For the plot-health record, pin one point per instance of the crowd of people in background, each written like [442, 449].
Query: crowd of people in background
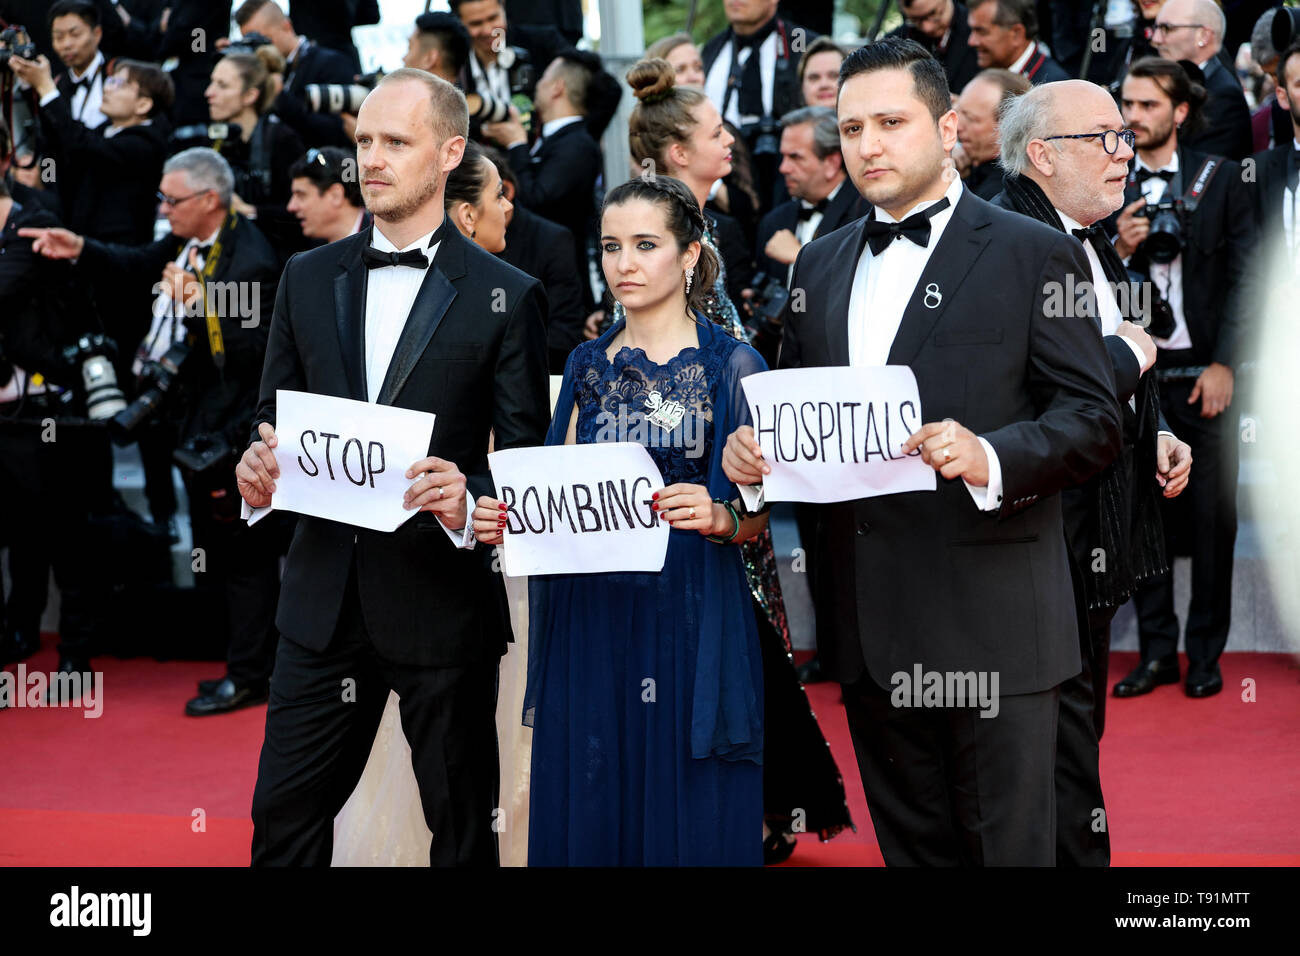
[153, 169]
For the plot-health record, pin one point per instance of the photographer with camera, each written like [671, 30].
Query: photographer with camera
[55, 464]
[505, 58]
[752, 75]
[1188, 223]
[258, 147]
[200, 365]
[306, 64]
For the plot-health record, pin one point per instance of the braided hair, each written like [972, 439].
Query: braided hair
[684, 220]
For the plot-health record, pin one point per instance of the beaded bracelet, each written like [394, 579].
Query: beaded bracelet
[735, 518]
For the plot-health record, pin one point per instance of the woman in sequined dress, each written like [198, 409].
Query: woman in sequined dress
[678, 131]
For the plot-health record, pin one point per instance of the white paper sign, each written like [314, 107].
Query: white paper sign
[346, 460]
[577, 509]
[835, 434]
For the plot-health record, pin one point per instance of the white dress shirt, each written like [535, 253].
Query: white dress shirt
[1168, 277]
[715, 84]
[1290, 226]
[805, 230]
[493, 78]
[390, 294]
[1023, 60]
[549, 128]
[168, 324]
[882, 287]
[87, 99]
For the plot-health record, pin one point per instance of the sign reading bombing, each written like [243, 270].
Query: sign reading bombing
[836, 434]
[577, 509]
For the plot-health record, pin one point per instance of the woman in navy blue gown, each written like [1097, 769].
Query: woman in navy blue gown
[645, 689]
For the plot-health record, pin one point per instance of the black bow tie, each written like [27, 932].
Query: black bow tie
[1144, 174]
[806, 210]
[915, 227]
[1088, 233]
[376, 259]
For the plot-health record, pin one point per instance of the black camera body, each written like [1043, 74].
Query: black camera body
[763, 136]
[1164, 242]
[15, 41]
[157, 380]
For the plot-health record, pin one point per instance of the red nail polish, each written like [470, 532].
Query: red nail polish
[655, 496]
[501, 505]
[654, 506]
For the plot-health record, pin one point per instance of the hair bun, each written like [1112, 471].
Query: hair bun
[652, 80]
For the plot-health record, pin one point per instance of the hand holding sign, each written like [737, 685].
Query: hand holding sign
[952, 451]
[489, 520]
[257, 469]
[440, 488]
[742, 458]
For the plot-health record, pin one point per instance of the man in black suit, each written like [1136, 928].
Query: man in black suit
[543, 250]
[822, 198]
[1112, 522]
[417, 610]
[306, 63]
[1193, 30]
[330, 22]
[107, 177]
[1276, 191]
[751, 72]
[557, 174]
[1004, 34]
[188, 61]
[75, 32]
[1019, 404]
[500, 69]
[215, 280]
[940, 26]
[1204, 284]
[978, 108]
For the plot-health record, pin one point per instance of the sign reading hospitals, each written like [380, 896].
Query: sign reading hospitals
[577, 509]
[836, 434]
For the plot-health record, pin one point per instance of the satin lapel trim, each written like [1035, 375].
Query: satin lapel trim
[350, 318]
[431, 304]
[837, 301]
[949, 264]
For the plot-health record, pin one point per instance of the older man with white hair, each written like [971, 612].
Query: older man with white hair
[1193, 30]
[1066, 156]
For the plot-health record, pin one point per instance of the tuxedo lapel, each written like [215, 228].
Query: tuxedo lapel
[431, 304]
[837, 212]
[841, 287]
[350, 315]
[948, 266]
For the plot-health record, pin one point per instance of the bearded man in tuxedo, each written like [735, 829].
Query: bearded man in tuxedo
[972, 579]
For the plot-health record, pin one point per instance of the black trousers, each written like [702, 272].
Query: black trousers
[324, 710]
[947, 787]
[1201, 521]
[1082, 828]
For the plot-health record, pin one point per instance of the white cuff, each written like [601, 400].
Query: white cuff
[463, 537]
[518, 142]
[49, 97]
[1167, 432]
[752, 495]
[1143, 364]
[988, 498]
[253, 515]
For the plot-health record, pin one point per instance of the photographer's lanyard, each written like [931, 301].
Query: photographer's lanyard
[738, 65]
[216, 343]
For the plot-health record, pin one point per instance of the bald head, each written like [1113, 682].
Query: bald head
[1078, 176]
[1177, 39]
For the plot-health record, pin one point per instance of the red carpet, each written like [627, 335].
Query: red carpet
[1188, 782]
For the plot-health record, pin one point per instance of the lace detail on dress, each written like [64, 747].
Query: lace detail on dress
[667, 408]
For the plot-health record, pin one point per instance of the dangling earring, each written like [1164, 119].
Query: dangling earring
[690, 273]
[473, 233]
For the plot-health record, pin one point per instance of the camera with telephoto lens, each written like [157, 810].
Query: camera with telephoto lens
[14, 41]
[765, 305]
[1168, 220]
[90, 361]
[248, 43]
[765, 137]
[157, 379]
[341, 97]
[199, 453]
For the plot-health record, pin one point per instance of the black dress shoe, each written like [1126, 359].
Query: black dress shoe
[1146, 677]
[61, 689]
[209, 687]
[1203, 680]
[810, 672]
[20, 644]
[227, 697]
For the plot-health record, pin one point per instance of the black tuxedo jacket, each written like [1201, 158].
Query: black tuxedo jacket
[65, 85]
[958, 57]
[212, 400]
[480, 370]
[314, 64]
[1225, 117]
[847, 205]
[787, 95]
[558, 182]
[543, 250]
[1271, 169]
[1216, 259]
[925, 577]
[108, 184]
